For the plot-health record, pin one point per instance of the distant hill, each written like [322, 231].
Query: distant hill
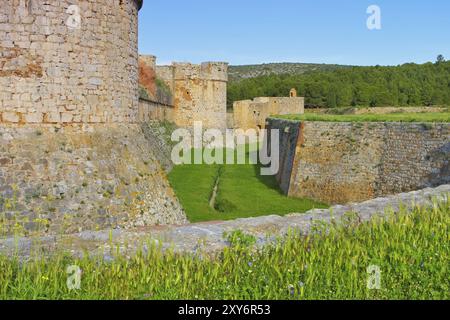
[330, 86]
[237, 73]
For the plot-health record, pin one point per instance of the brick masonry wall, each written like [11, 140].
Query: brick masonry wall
[339, 162]
[53, 73]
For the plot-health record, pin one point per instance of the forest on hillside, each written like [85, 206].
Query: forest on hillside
[405, 85]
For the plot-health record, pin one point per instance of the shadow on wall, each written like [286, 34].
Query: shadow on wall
[268, 181]
[443, 176]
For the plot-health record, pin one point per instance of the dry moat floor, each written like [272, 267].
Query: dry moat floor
[241, 192]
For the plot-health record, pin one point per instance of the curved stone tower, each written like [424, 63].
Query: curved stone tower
[72, 155]
[66, 63]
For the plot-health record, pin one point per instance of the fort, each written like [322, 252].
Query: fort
[76, 155]
[198, 93]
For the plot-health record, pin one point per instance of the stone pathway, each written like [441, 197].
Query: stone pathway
[209, 237]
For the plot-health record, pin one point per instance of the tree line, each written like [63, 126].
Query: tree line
[404, 85]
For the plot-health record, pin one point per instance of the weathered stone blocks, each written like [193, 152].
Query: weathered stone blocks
[252, 114]
[199, 92]
[72, 157]
[338, 162]
[76, 178]
[52, 64]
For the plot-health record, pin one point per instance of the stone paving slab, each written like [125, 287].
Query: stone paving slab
[209, 237]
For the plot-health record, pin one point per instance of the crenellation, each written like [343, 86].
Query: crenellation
[215, 71]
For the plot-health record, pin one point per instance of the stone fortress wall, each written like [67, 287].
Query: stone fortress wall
[63, 64]
[63, 180]
[149, 60]
[252, 114]
[199, 92]
[210, 237]
[155, 111]
[340, 162]
[73, 155]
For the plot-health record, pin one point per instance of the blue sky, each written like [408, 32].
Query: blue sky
[314, 31]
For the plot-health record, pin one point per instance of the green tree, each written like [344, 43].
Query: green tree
[408, 84]
[331, 98]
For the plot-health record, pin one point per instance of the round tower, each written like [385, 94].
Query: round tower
[69, 61]
[73, 156]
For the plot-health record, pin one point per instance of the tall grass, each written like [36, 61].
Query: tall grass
[411, 249]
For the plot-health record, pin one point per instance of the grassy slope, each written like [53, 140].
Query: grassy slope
[242, 192]
[411, 250]
[393, 117]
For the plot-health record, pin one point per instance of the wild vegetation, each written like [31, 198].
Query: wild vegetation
[405, 85]
[411, 251]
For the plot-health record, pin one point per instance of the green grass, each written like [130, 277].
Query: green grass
[242, 192]
[193, 186]
[412, 251]
[393, 117]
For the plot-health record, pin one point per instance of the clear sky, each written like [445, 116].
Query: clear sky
[314, 31]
